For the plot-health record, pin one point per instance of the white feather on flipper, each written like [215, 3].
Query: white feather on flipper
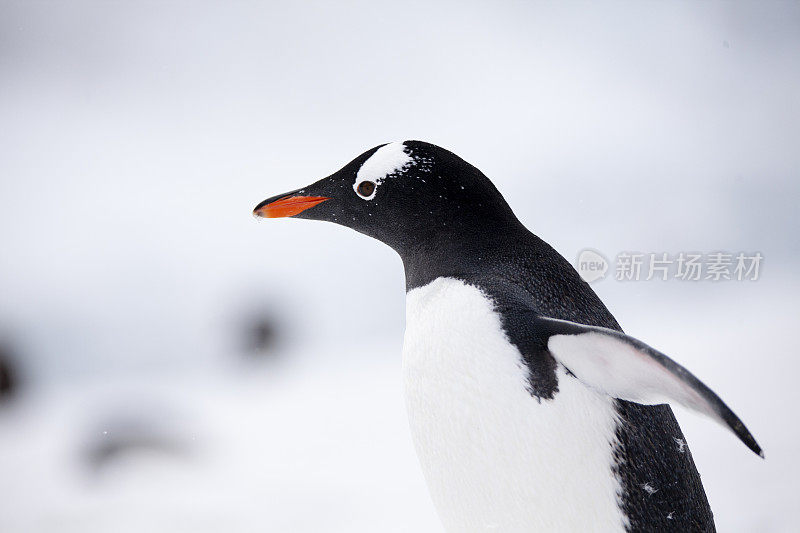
[628, 369]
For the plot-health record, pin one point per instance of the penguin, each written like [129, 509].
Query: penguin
[529, 408]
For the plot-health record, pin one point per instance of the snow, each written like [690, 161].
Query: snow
[319, 439]
[305, 447]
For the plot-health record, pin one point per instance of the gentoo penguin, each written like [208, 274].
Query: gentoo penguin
[530, 409]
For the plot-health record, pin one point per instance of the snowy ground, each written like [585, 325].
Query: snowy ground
[319, 444]
[318, 441]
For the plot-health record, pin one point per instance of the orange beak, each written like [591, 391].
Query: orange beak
[286, 206]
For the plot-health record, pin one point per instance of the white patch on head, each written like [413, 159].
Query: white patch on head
[494, 456]
[388, 160]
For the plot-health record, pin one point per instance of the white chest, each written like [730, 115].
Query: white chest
[494, 457]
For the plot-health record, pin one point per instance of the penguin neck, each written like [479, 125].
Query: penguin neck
[464, 252]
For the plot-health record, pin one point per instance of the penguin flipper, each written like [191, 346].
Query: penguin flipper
[628, 369]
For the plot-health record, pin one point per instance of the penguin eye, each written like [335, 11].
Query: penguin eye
[365, 188]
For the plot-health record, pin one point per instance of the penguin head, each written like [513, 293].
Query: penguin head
[400, 193]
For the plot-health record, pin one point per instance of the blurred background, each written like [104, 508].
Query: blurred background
[168, 363]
